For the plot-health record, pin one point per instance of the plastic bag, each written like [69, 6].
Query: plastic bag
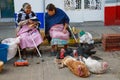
[86, 38]
[12, 43]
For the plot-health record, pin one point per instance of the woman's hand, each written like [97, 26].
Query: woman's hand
[30, 21]
[64, 31]
[21, 23]
[65, 28]
[32, 24]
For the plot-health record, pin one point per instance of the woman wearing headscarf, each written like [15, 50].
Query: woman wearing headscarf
[56, 25]
[27, 28]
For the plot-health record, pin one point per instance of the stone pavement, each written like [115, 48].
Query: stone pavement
[95, 28]
[49, 70]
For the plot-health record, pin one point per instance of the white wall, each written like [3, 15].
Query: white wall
[94, 15]
[57, 3]
[37, 5]
[75, 16]
[82, 14]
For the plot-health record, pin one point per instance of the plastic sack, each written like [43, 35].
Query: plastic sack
[86, 38]
[12, 43]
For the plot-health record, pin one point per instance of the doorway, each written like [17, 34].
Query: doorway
[7, 8]
[117, 19]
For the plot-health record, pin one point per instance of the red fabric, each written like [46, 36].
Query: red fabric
[112, 15]
[61, 55]
[76, 54]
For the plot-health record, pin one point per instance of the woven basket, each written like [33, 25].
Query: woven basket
[1, 65]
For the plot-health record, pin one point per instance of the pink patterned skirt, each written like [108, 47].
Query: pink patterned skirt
[27, 34]
[58, 37]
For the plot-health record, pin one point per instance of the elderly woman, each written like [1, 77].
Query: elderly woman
[27, 28]
[56, 24]
[25, 14]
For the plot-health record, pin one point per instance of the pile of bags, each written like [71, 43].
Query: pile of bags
[85, 37]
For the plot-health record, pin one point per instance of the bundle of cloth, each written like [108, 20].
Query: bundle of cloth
[86, 44]
[86, 37]
[86, 50]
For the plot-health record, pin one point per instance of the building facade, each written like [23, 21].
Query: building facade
[107, 11]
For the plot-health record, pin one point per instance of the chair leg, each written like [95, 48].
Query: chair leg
[24, 54]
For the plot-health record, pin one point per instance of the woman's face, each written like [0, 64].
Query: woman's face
[51, 13]
[27, 9]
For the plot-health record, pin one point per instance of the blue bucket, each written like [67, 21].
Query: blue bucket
[3, 52]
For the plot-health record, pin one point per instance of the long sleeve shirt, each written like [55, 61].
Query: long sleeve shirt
[60, 17]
